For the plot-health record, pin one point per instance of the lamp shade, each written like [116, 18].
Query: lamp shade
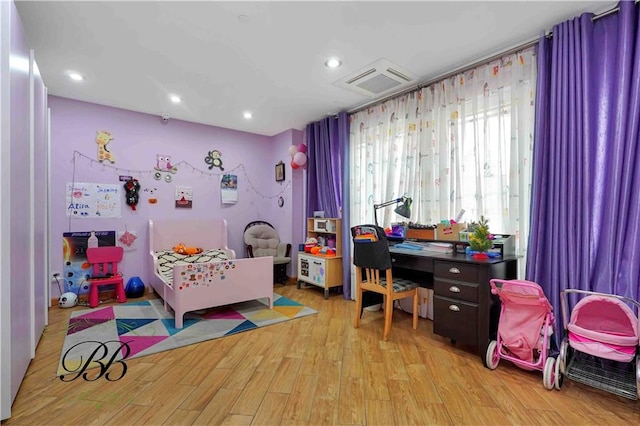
[404, 209]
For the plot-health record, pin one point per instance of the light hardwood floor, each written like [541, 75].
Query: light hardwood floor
[310, 371]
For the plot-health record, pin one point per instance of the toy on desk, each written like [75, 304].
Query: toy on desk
[397, 232]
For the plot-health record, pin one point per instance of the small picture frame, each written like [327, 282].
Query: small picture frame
[280, 172]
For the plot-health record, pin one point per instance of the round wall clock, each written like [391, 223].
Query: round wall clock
[280, 201]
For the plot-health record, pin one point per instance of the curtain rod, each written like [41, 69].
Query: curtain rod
[475, 64]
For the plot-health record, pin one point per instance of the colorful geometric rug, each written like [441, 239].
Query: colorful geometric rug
[101, 336]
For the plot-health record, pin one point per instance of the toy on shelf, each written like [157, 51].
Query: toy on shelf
[309, 244]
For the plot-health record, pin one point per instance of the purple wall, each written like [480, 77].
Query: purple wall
[137, 138]
[299, 215]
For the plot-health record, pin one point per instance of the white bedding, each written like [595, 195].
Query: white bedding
[168, 258]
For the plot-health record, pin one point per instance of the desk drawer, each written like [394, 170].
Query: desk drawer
[456, 290]
[455, 319]
[455, 271]
[416, 263]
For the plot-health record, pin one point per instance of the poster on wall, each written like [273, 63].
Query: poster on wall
[93, 200]
[184, 197]
[76, 270]
[229, 189]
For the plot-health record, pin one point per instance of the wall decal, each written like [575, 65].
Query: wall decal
[214, 159]
[163, 164]
[102, 139]
[151, 192]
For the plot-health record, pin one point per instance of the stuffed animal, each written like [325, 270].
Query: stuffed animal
[182, 249]
[328, 251]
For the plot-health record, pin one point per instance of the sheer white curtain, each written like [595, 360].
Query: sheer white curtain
[461, 143]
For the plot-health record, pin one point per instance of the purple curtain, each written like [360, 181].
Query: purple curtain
[327, 178]
[585, 218]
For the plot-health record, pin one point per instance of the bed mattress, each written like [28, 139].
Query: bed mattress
[168, 258]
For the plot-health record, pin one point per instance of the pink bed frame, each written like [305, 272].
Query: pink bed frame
[205, 285]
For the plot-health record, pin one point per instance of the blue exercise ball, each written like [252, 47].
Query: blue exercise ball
[134, 288]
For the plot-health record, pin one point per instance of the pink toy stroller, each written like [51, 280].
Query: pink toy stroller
[524, 329]
[600, 347]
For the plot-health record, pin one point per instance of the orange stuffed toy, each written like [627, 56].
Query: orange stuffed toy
[182, 249]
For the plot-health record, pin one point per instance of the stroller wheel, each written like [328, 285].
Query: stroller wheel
[493, 355]
[558, 377]
[638, 375]
[564, 353]
[548, 378]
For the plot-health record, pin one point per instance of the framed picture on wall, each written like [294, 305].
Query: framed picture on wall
[280, 172]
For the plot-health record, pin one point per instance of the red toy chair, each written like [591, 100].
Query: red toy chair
[104, 261]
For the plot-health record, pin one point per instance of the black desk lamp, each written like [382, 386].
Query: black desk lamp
[403, 209]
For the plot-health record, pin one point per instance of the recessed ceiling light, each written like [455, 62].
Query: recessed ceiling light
[243, 18]
[75, 76]
[333, 63]
[247, 114]
[175, 99]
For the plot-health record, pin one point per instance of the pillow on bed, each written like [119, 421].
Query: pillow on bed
[167, 258]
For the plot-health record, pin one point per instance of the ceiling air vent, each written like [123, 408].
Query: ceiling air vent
[376, 79]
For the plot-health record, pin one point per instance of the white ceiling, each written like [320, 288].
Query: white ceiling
[134, 54]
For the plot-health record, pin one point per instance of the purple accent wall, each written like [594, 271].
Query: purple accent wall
[137, 138]
[289, 214]
[299, 217]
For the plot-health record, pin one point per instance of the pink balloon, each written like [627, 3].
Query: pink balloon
[302, 148]
[300, 158]
[292, 150]
[294, 165]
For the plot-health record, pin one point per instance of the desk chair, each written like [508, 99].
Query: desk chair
[104, 263]
[373, 273]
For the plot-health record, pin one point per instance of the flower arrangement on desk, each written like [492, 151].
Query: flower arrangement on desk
[481, 240]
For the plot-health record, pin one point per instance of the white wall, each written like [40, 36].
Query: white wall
[23, 303]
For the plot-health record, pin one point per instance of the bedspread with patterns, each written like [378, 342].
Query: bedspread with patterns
[168, 258]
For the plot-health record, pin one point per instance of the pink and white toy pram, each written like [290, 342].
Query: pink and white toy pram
[524, 329]
[601, 343]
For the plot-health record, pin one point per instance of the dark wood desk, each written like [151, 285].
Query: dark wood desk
[463, 307]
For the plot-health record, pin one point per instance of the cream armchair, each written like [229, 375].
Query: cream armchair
[261, 239]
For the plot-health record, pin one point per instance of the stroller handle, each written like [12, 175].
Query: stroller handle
[564, 296]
